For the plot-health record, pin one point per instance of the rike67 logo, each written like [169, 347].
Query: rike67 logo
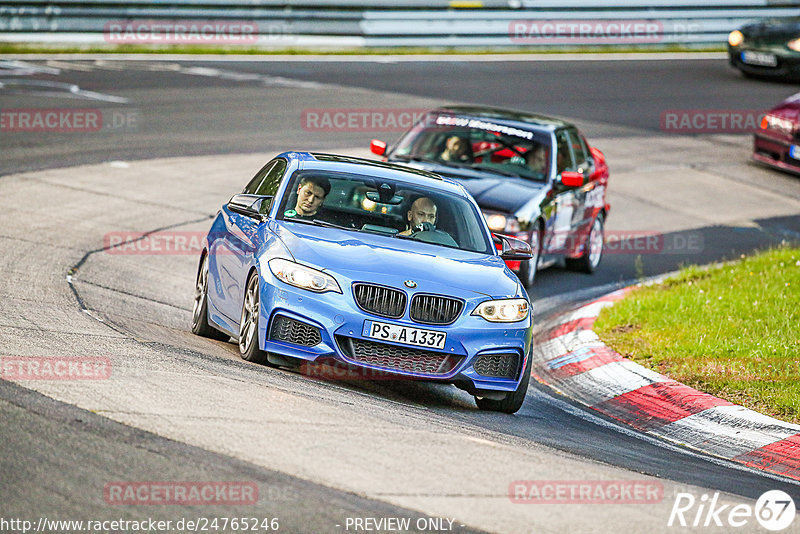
[774, 511]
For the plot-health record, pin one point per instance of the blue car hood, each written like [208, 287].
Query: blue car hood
[390, 261]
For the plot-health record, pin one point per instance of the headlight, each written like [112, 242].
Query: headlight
[771, 122]
[303, 277]
[794, 44]
[500, 223]
[735, 38]
[503, 311]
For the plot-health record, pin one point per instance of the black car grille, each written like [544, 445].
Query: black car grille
[435, 309]
[497, 365]
[405, 359]
[380, 300]
[292, 331]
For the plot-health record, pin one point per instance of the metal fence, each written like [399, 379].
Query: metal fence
[386, 23]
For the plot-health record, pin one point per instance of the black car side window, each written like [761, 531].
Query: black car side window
[578, 148]
[564, 161]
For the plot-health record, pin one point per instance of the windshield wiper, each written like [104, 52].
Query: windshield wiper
[406, 157]
[320, 222]
[495, 170]
[331, 225]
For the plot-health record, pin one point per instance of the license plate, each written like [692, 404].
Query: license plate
[759, 58]
[403, 334]
[794, 152]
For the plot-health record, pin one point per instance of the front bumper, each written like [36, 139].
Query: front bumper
[788, 64]
[332, 326]
[775, 151]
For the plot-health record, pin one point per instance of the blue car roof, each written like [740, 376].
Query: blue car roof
[368, 167]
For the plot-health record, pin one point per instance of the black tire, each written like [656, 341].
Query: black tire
[248, 324]
[528, 269]
[200, 324]
[512, 401]
[591, 257]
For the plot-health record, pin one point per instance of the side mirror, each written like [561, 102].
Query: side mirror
[253, 206]
[512, 248]
[571, 179]
[378, 147]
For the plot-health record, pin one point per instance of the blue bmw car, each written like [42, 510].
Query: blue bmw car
[370, 264]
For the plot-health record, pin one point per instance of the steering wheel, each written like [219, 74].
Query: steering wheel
[427, 233]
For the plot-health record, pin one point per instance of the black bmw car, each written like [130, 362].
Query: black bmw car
[535, 178]
[769, 48]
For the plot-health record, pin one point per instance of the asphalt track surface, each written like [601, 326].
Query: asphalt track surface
[322, 451]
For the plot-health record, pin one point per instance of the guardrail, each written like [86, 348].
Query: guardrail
[386, 23]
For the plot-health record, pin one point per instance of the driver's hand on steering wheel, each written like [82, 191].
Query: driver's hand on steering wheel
[423, 227]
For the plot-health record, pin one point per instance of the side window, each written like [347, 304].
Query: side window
[578, 148]
[269, 186]
[267, 180]
[564, 161]
[252, 186]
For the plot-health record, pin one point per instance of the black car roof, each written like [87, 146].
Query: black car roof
[520, 119]
[777, 26]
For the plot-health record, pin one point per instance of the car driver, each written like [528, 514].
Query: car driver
[311, 192]
[423, 210]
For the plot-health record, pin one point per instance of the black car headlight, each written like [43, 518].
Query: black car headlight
[794, 44]
[497, 222]
[735, 38]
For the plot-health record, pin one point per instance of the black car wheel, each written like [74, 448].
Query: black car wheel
[528, 269]
[591, 257]
[248, 325]
[200, 324]
[512, 401]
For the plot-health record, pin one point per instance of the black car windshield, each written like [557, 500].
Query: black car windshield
[479, 144]
[394, 209]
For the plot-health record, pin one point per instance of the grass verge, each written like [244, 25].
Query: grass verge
[732, 331]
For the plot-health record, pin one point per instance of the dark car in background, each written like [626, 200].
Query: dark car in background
[535, 178]
[769, 48]
[777, 141]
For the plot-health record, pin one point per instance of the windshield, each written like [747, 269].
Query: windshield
[479, 144]
[386, 207]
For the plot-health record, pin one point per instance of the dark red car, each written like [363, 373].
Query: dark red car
[777, 141]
